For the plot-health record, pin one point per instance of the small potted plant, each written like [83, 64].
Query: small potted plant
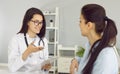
[80, 51]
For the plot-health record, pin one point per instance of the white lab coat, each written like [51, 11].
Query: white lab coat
[17, 47]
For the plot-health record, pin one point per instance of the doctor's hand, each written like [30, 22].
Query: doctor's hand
[31, 48]
[46, 67]
[73, 66]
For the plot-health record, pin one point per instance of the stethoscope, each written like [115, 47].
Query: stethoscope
[38, 44]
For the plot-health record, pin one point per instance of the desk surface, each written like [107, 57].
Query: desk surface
[4, 70]
[8, 72]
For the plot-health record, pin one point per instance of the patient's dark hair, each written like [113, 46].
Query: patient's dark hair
[103, 26]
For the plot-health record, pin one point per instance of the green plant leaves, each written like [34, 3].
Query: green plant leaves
[80, 52]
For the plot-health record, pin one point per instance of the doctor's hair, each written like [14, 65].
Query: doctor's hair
[28, 16]
[103, 26]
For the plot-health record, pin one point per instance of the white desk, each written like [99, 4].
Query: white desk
[4, 70]
[8, 72]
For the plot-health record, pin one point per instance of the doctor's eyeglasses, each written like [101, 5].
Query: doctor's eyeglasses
[36, 22]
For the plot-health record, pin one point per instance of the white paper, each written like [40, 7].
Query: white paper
[37, 67]
[50, 60]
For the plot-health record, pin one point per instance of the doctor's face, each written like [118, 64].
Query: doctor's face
[35, 24]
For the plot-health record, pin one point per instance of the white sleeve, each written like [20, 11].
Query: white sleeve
[46, 48]
[106, 63]
[15, 61]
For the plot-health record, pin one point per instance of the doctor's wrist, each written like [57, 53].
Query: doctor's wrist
[25, 54]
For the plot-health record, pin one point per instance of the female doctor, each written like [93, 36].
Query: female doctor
[29, 48]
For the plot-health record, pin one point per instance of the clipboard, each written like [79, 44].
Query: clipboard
[37, 67]
[50, 60]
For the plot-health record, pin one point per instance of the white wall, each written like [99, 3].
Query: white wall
[12, 12]
[69, 18]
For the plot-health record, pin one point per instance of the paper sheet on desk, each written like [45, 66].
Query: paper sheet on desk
[37, 67]
[50, 60]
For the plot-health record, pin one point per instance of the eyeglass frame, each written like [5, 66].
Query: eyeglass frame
[36, 22]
